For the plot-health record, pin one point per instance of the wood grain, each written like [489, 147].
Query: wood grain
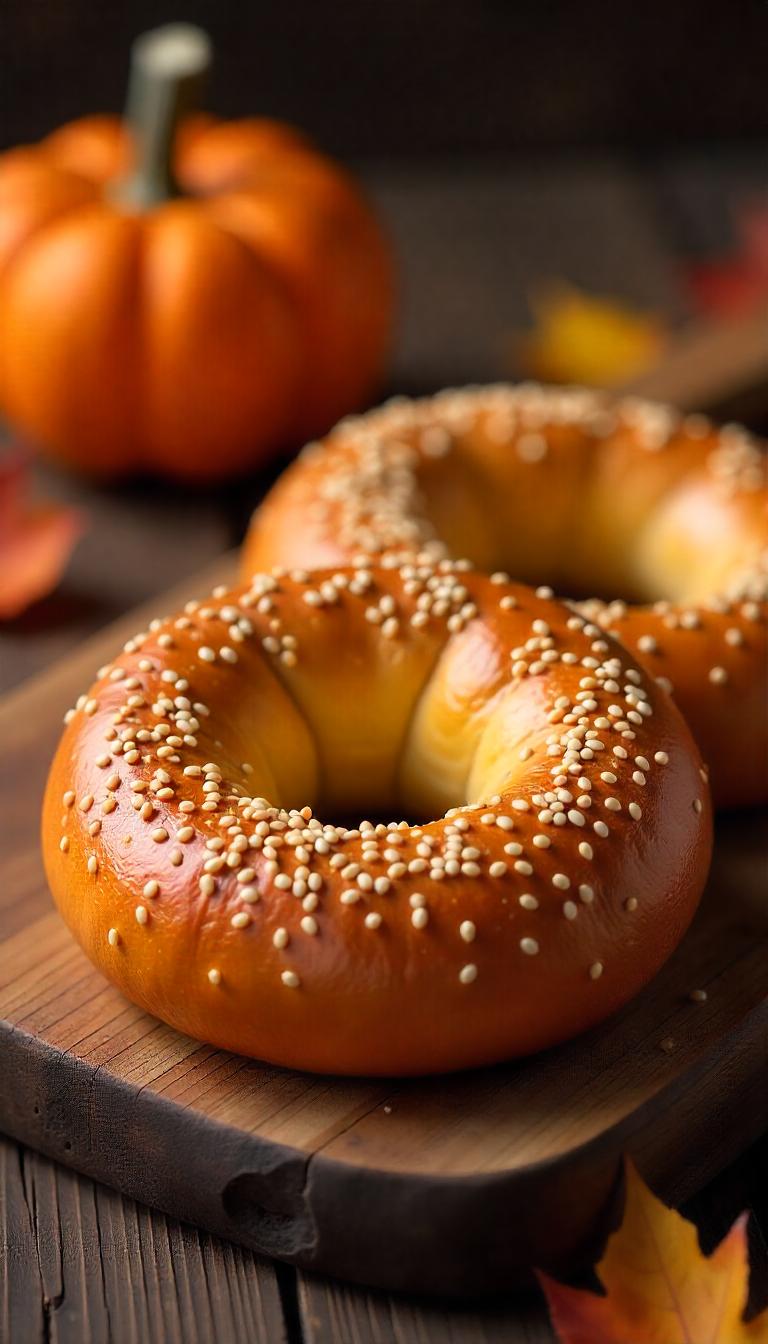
[85, 1265]
[336, 1312]
[358, 1176]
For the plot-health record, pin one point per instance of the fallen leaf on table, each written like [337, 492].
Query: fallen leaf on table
[735, 285]
[36, 541]
[578, 338]
[660, 1288]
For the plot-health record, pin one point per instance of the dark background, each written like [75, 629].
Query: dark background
[408, 77]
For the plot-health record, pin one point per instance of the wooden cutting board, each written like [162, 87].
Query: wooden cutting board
[451, 1185]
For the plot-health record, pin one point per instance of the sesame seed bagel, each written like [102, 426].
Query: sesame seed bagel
[571, 842]
[561, 486]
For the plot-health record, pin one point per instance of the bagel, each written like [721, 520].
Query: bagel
[561, 486]
[571, 842]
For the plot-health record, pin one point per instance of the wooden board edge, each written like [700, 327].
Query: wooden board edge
[367, 1224]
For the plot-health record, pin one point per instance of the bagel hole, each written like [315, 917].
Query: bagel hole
[351, 821]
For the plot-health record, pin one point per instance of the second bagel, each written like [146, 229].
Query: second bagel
[561, 486]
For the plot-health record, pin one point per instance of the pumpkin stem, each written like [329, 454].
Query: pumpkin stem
[168, 67]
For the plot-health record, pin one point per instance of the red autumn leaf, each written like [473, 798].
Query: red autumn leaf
[736, 284]
[726, 289]
[35, 542]
[659, 1287]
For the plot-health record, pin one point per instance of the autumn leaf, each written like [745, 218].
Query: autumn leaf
[35, 542]
[578, 338]
[659, 1287]
[735, 285]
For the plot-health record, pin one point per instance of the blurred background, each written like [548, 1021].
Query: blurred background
[567, 188]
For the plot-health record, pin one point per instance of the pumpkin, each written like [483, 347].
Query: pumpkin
[191, 334]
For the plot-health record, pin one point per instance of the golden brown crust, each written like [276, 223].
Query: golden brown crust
[181, 847]
[559, 486]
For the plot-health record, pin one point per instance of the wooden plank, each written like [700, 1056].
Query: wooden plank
[335, 1312]
[81, 1265]
[22, 1301]
[332, 1312]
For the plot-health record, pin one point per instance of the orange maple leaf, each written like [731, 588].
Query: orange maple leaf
[660, 1288]
[35, 542]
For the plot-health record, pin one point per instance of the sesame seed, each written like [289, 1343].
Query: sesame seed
[468, 973]
[528, 902]
[718, 676]
[113, 938]
[64, 844]
[560, 881]
[698, 996]
[420, 917]
[467, 930]
[159, 835]
[142, 914]
[214, 976]
[280, 938]
[596, 970]
[240, 920]
[207, 654]
[529, 946]
[151, 889]
[290, 979]
[93, 864]
[372, 920]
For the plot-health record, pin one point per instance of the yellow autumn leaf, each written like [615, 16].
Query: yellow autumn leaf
[578, 338]
[659, 1287]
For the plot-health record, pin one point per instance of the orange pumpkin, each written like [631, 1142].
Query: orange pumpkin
[194, 336]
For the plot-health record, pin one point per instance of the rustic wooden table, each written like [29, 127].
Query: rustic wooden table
[80, 1263]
